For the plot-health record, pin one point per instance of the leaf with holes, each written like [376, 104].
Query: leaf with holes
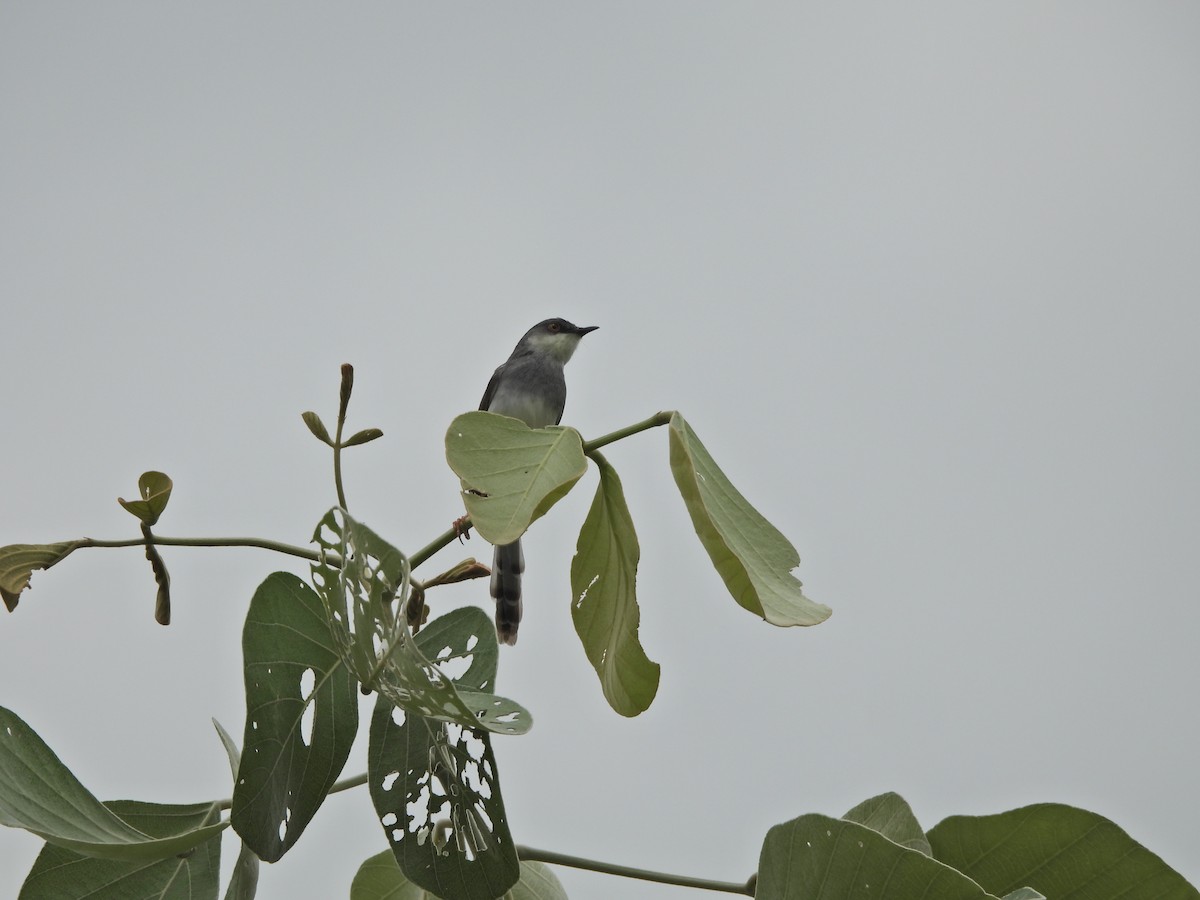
[379, 878]
[65, 875]
[511, 474]
[435, 784]
[1058, 850]
[891, 816]
[41, 795]
[752, 557]
[18, 561]
[817, 854]
[605, 611]
[365, 602]
[301, 716]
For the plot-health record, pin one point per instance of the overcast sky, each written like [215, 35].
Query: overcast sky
[924, 277]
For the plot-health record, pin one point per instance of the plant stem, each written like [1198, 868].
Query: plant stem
[344, 785]
[659, 418]
[562, 859]
[438, 543]
[261, 543]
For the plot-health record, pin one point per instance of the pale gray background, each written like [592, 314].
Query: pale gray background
[923, 276]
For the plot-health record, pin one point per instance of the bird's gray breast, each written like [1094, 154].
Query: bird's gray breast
[531, 390]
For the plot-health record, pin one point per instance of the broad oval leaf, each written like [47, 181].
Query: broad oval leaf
[605, 608]
[752, 557]
[18, 561]
[301, 716]
[154, 490]
[62, 874]
[435, 785]
[891, 816]
[1057, 850]
[41, 795]
[816, 855]
[379, 878]
[511, 474]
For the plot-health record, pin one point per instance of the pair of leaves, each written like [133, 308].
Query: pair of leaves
[305, 653]
[878, 849]
[116, 849]
[512, 474]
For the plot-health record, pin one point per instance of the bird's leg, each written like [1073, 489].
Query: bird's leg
[462, 528]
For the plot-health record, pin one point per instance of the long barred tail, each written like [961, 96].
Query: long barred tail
[508, 562]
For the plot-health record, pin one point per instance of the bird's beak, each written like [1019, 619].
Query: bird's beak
[585, 329]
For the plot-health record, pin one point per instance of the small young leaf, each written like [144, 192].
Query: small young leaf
[1058, 850]
[65, 875]
[301, 716]
[362, 437]
[891, 816]
[511, 474]
[154, 488]
[17, 562]
[41, 795]
[317, 427]
[749, 553]
[605, 608]
[835, 858]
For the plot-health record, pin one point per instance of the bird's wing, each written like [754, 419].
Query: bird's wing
[490, 393]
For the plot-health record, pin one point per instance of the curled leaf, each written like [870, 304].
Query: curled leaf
[17, 562]
[154, 488]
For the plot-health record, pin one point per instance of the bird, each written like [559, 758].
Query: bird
[529, 386]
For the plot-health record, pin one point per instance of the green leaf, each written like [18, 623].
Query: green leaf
[1024, 894]
[605, 611]
[435, 784]
[892, 817]
[1059, 851]
[317, 427]
[243, 884]
[362, 437]
[61, 874]
[817, 855]
[301, 716]
[511, 474]
[379, 878]
[17, 562]
[751, 555]
[365, 608]
[154, 488]
[41, 795]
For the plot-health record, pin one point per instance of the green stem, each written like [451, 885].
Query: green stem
[344, 785]
[443, 539]
[660, 418]
[262, 544]
[562, 859]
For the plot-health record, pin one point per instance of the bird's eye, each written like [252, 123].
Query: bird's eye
[553, 327]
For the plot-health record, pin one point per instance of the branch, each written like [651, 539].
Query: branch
[531, 854]
[659, 418]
